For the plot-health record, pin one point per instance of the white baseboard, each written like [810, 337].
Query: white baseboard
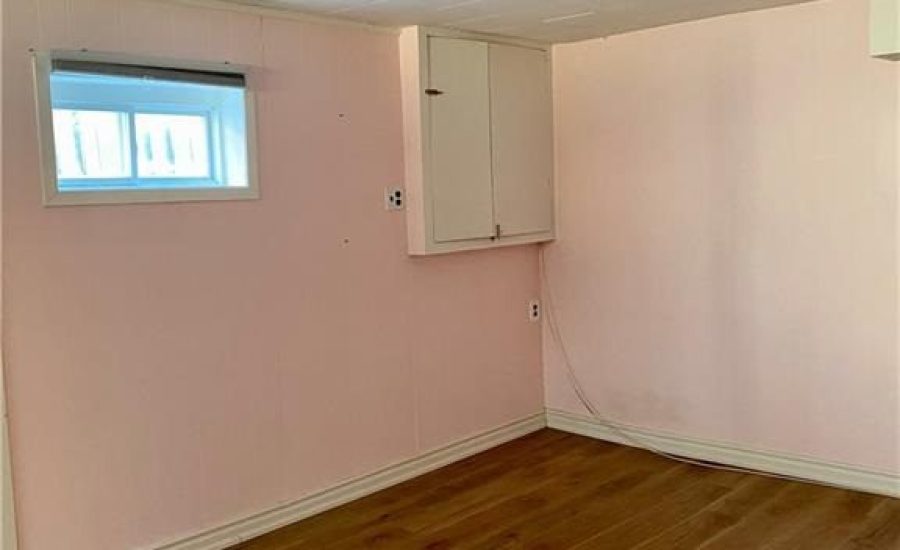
[841, 475]
[240, 530]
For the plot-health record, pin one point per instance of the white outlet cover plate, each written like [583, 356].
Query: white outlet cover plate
[394, 198]
[534, 310]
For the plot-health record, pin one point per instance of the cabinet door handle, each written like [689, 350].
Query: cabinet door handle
[432, 91]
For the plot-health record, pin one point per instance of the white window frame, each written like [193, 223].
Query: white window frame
[43, 62]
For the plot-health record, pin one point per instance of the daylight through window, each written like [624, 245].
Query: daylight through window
[124, 127]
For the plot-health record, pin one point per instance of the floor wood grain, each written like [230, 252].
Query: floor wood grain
[552, 490]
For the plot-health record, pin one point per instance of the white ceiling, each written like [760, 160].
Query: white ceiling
[545, 20]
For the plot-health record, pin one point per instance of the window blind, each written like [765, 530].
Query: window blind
[234, 80]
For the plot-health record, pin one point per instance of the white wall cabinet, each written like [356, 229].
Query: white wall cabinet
[479, 142]
[885, 29]
[460, 140]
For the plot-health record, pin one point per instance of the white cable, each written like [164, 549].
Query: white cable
[572, 375]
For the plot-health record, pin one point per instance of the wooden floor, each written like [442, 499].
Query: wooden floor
[554, 490]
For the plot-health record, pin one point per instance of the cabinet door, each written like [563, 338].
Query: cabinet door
[460, 140]
[522, 129]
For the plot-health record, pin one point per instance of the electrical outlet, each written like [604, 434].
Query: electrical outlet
[534, 311]
[394, 198]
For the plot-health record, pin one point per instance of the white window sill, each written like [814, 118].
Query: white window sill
[136, 196]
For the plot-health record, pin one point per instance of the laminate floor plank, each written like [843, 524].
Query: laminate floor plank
[556, 491]
[782, 515]
[881, 529]
[752, 493]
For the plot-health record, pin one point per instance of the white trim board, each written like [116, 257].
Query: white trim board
[8, 538]
[240, 530]
[842, 475]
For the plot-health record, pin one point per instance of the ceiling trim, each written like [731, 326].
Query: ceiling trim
[564, 34]
[296, 15]
[283, 13]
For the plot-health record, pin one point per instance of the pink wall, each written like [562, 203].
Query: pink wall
[727, 266]
[728, 240]
[172, 367]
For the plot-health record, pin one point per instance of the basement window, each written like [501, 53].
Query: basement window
[120, 130]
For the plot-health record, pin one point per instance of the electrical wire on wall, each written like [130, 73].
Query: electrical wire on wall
[594, 411]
